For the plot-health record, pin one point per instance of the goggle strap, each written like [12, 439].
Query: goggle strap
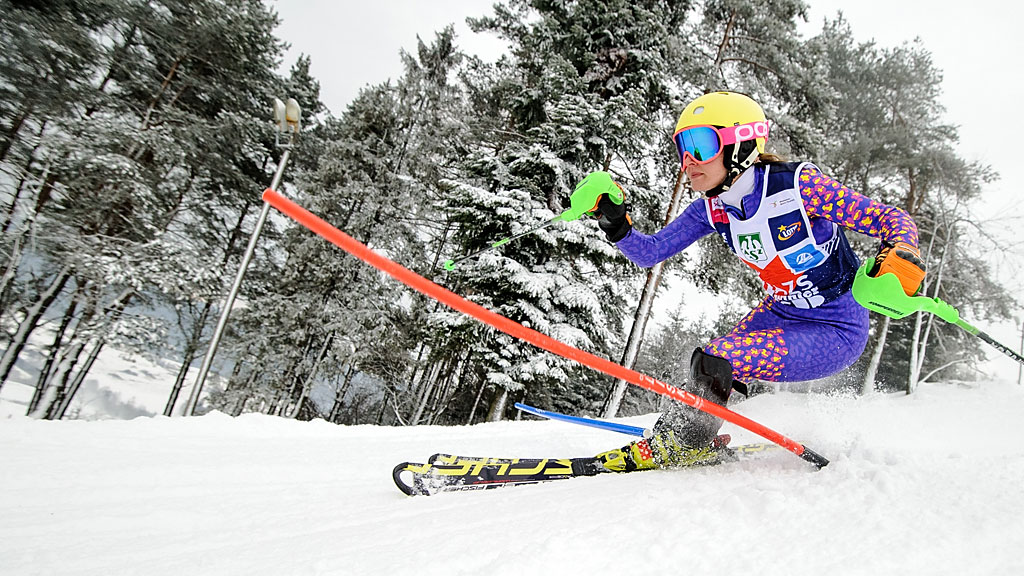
[743, 132]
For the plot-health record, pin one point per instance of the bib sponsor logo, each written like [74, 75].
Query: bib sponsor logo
[804, 259]
[788, 230]
[751, 247]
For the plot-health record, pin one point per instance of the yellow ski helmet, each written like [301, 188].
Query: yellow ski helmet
[725, 124]
[723, 109]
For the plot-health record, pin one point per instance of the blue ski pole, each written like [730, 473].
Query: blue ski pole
[603, 425]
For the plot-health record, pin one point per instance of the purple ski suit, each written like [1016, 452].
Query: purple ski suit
[789, 229]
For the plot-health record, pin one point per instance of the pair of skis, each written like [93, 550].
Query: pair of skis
[453, 473]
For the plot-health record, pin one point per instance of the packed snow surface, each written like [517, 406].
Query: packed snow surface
[921, 484]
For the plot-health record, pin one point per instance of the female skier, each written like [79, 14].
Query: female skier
[783, 219]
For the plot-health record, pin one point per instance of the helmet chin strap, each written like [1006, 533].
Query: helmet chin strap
[733, 165]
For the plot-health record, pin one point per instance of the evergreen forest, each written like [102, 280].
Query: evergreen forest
[135, 140]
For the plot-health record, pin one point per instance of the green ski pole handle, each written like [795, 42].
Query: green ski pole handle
[588, 193]
[884, 294]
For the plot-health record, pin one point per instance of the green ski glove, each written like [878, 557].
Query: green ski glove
[599, 196]
[588, 193]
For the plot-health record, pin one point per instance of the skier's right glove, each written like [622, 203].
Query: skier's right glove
[903, 260]
[613, 219]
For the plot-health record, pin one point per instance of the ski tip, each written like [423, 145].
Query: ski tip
[449, 265]
[814, 458]
[404, 475]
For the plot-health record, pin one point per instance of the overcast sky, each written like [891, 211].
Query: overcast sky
[978, 45]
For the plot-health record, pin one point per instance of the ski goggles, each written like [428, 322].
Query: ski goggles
[705, 143]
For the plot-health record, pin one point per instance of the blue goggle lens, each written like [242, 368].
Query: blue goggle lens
[701, 142]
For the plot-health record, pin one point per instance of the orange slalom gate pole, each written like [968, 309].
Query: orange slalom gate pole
[512, 328]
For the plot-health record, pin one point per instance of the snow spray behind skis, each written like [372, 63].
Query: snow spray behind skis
[516, 330]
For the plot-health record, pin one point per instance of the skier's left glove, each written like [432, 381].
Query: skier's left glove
[903, 260]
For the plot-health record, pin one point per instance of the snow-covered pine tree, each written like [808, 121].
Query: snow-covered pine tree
[146, 170]
[374, 176]
[890, 141]
[57, 45]
[587, 87]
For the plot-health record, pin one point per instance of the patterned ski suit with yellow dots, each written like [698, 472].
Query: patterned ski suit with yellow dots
[789, 229]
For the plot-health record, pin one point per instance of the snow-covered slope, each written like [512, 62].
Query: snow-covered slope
[927, 484]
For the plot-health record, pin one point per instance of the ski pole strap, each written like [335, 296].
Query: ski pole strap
[516, 330]
[593, 423]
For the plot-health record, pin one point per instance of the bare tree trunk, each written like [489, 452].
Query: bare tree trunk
[1020, 368]
[339, 397]
[45, 372]
[9, 216]
[163, 88]
[191, 347]
[383, 408]
[50, 388]
[62, 408]
[29, 323]
[476, 401]
[66, 392]
[295, 376]
[868, 385]
[308, 384]
[115, 63]
[426, 389]
[7, 279]
[55, 392]
[12, 132]
[643, 312]
[920, 343]
[726, 37]
[453, 382]
[418, 371]
[497, 409]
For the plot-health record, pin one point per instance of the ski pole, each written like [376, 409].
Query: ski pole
[885, 295]
[593, 423]
[450, 264]
[584, 200]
